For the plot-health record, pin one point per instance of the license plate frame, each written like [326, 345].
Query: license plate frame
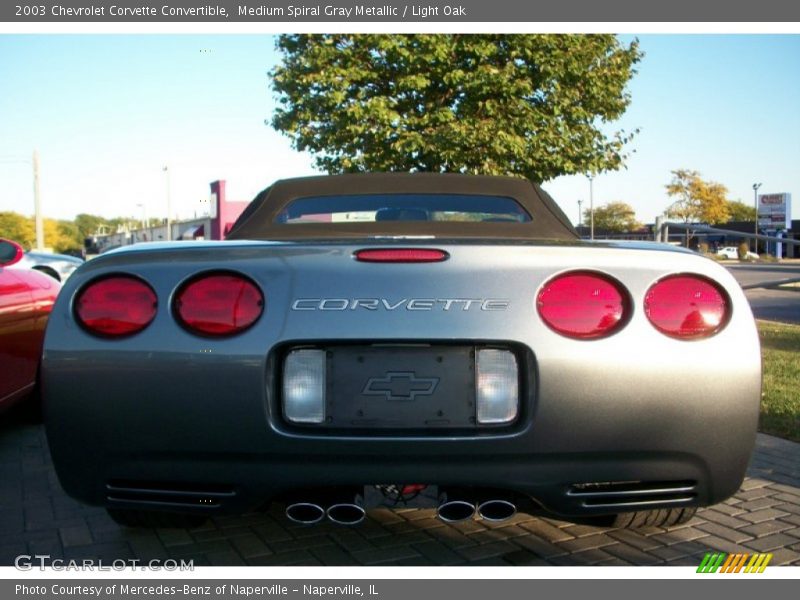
[400, 387]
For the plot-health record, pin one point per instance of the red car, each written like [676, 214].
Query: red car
[26, 299]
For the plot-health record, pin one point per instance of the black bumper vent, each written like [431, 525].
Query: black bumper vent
[168, 494]
[633, 494]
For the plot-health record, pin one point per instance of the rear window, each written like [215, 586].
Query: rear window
[371, 208]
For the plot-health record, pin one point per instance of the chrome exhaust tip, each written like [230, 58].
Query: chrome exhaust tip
[346, 513]
[305, 513]
[454, 511]
[496, 510]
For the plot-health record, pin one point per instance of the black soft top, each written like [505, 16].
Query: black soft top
[259, 219]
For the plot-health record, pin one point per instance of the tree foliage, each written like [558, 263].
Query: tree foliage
[697, 200]
[88, 224]
[739, 211]
[61, 236]
[524, 105]
[18, 228]
[617, 217]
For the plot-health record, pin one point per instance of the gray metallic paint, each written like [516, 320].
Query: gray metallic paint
[166, 405]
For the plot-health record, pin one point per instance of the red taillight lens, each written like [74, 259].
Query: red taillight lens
[116, 306]
[686, 306]
[401, 255]
[219, 304]
[583, 305]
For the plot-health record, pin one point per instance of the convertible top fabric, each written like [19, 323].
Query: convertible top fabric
[258, 221]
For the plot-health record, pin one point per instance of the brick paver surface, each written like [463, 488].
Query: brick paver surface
[36, 517]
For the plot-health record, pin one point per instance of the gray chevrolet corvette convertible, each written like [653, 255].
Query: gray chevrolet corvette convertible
[402, 340]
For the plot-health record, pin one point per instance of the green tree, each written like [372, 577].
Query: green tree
[696, 200]
[616, 217]
[88, 224]
[68, 237]
[58, 235]
[18, 228]
[739, 211]
[524, 105]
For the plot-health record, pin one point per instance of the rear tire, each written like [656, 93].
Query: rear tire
[153, 519]
[652, 518]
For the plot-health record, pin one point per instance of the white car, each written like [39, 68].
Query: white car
[733, 253]
[57, 266]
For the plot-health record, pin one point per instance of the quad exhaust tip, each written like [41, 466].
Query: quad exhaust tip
[454, 511]
[346, 513]
[496, 510]
[305, 513]
[350, 513]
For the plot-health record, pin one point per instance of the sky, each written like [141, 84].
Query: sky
[108, 113]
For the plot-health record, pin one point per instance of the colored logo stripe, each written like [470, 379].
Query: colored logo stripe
[758, 563]
[733, 563]
[711, 562]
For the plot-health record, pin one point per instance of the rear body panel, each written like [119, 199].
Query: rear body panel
[169, 407]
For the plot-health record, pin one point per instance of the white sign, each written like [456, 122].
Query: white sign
[213, 201]
[775, 211]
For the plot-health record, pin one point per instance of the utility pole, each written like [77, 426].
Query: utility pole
[755, 204]
[580, 214]
[37, 208]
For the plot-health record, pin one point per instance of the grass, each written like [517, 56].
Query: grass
[780, 403]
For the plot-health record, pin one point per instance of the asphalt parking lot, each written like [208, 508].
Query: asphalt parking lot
[771, 288]
[36, 517]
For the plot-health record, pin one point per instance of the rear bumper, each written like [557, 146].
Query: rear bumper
[211, 438]
[232, 485]
[180, 418]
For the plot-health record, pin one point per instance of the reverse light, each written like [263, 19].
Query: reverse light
[497, 387]
[218, 304]
[583, 305]
[304, 386]
[686, 307]
[116, 306]
[401, 255]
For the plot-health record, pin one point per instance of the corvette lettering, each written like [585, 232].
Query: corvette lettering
[414, 304]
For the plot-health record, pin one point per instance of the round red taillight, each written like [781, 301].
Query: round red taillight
[583, 305]
[218, 304]
[116, 306]
[686, 306]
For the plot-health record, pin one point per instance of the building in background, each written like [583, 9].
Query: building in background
[222, 215]
[677, 237]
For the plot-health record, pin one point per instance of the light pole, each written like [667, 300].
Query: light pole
[169, 222]
[755, 205]
[590, 176]
[580, 214]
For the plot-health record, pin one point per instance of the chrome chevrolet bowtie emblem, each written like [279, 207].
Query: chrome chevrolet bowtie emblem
[401, 386]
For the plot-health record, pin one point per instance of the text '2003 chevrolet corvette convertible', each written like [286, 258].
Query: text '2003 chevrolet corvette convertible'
[402, 340]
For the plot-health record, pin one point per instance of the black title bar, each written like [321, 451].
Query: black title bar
[457, 11]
